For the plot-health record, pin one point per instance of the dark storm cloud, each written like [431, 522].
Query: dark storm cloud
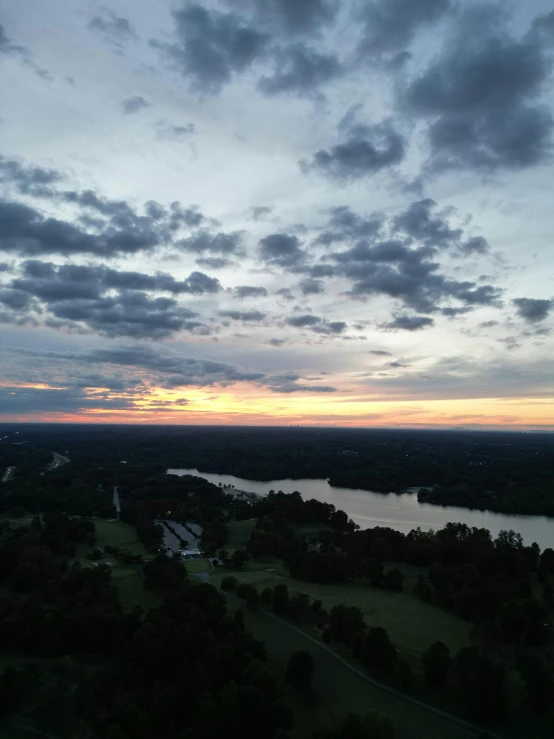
[366, 151]
[214, 243]
[281, 250]
[113, 28]
[390, 25]
[27, 180]
[247, 291]
[212, 47]
[409, 323]
[533, 310]
[299, 69]
[248, 316]
[482, 97]
[134, 104]
[310, 286]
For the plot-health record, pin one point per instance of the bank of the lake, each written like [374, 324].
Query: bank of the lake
[400, 512]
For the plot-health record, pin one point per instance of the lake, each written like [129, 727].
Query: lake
[400, 512]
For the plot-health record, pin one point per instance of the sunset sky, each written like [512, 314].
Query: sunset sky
[277, 212]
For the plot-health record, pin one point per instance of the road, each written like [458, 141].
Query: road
[116, 500]
[8, 473]
[364, 676]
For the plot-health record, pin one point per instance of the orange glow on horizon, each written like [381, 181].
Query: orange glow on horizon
[244, 404]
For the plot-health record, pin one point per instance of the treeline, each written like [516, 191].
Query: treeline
[509, 472]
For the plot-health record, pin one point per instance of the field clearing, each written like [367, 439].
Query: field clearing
[118, 534]
[129, 582]
[239, 533]
[195, 566]
[413, 625]
[336, 691]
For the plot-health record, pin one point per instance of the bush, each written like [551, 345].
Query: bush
[229, 583]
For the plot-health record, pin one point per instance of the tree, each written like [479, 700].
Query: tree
[300, 670]
[378, 651]
[238, 559]
[393, 580]
[229, 583]
[280, 602]
[381, 549]
[436, 663]
[515, 691]
[403, 675]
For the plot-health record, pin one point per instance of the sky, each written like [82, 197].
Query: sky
[277, 212]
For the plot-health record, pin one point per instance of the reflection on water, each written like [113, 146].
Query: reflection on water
[400, 512]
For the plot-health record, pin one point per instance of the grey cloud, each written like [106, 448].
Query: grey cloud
[474, 245]
[214, 262]
[482, 98]
[321, 270]
[409, 323]
[19, 400]
[173, 370]
[248, 291]
[212, 47]
[174, 132]
[134, 104]
[317, 324]
[300, 69]
[380, 353]
[344, 224]
[8, 48]
[26, 231]
[115, 29]
[303, 321]
[277, 342]
[420, 222]
[281, 250]
[285, 293]
[129, 314]
[533, 310]
[302, 17]
[215, 243]
[27, 180]
[261, 211]
[390, 25]
[311, 287]
[235, 315]
[366, 151]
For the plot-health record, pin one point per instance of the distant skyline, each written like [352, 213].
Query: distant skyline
[277, 212]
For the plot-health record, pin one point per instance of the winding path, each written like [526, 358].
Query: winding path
[372, 681]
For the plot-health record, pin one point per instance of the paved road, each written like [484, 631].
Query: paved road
[364, 676]
[116, 500]
[7, 474]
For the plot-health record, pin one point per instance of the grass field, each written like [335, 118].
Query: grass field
[195, 566]
[413, 625]
[336, 691]
[239, 533]
[118, 534]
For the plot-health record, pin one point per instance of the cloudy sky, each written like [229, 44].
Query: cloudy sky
[277, 212]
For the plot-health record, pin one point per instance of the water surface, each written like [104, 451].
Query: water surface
[400, 512]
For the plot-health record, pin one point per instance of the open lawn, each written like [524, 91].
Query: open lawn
[336, 691]
[118, 534]
[195, 566]
[239, 533]
[413, 625]
[128, 580]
